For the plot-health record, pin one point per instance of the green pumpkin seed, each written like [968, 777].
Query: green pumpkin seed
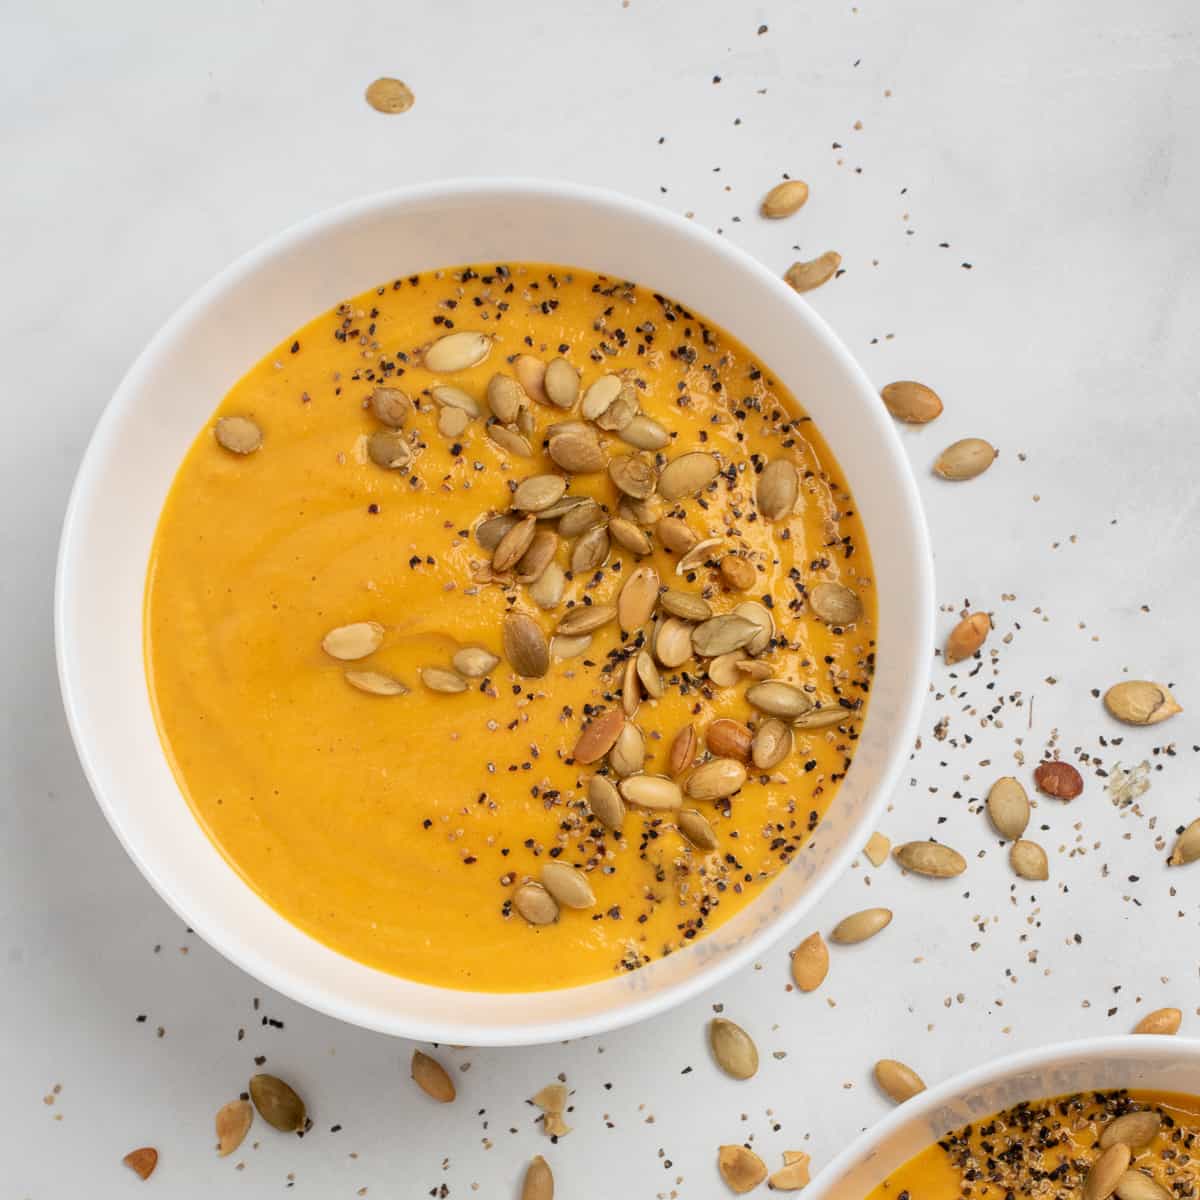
[752, 610]
[834, 603]
[490, 530]
[390, 406]
[277, 1103]
[822, 718]
[720, 635]
[388, 448]
[688, 606]
[538, 557]
[733, 1048]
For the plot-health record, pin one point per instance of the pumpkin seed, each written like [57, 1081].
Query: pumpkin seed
[599, 736]
[720, 635]
[1008, 807]
[391, 406]
[633, 474]
[526, 423]
[631, 687]
[726, 738]
[431, 1077]
[673, 643]
[570, 647]
[539, 1180]
[723, 671]
[697, 556]
[620, 413]
[912, 402]
[1105, 1172]
[490, 530]
[1187, 845]
[142, 1161]
[784, 199]
[590, 551]
[561, 383]
[349, 642]
[389, 96]
[695, 827]
[1134, 1185]
[584, 618]
[688, 606]
[757, 671]
[687, 475]
[1134, 1129]
[233, 1123]
[452, 422]
[513, 544]
[639, 595]
[568, 886]
[898, 1080]
[506, 398]
[507, 439]
[737, 573]
[793, 1175]
[930, 858]
[531, 375]
[644, 433]
[547, 590]
[834, 603]
[967, 637]
[598, 397]
[1160, 1021]
[639, 512]
[675, 535]
[654, 792]
[822, 718]
[389, 449]
[238, 435]
[538, 557]
[648, 675]
[579, 517]
[804, 276]
[375, 683]
[578, 451]
[810, 963]
[525, 645]
[628, 754]
[474, 662]
[629, 536]
[715, 779]
[779, 699]
[741, 1169]
[1139, 702]
[683, 750]
[772, 744]
[438, 679]
[457, 352]
[446, 396]
[733, 1048]
[552, 1098]
[965, 459]
[760, 615]
[538, 492]
[535, 904]
[277, 1103]
[1028, 860]
[860, 926]
[1058, 779]
[778, 487]
[605, 802]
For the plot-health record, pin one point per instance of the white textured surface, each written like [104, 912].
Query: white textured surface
[1052, 147]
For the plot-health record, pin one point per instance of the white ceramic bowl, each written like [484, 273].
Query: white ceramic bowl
[169, 394]
[1168, 1064]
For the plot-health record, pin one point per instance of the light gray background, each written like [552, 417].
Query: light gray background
[1053, 145]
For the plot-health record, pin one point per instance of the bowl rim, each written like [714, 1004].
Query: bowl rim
[649, 216]
[1111, 1046]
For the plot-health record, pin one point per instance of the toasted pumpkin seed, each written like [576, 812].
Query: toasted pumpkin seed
[568, 885]
[590, 551]
[628, 754]
[1134, 1185]
[584, 618]
[438, 679]
[1106, 1171]
[452, 422]
[741, 1169]
[688, 606]
[547, 590]
[930, 858]
[772, 744]
[912, 402]
[531, 375]
[1160, 1021]
[599, 396]
[715, 779]
[525, 645]
[507, 439]
[388, 448]
[506, 398]
[238, 435]
[599, 736]
[859, 926]
[490, 530]
[538, 492]
[737, 573]
[431, 1077]
[512, 546]
[474, 662]
[277, 1103]
[778, 487]
[793, 1175]
[539, 1180]
[391, 406]
[580, 518]
[390, 96]
[822, 718]
[723, 671]
[578, 451]
[631, 687]
[804, 276]
[570, 647]
[605, 802]
[898, 1080]
[561, 383]
[552, 1098]
[810, 963]
[637, 599]
[683, 750]
[687, 475]
[834, 603]
[457, 351]
[877, 849]
[778, 699]
[350, 642]
[654, 792]
[1028, 860]
[1187, 845]
[673, 643]
[726, 738]
[752, 610]
[753, 669]
[1140, 702]
[233, 1122]
[967, 637]
[965, 459]
[644, 433]
[698, 555]
[648, 675]
[695, 827]
[733, 1048]
[784, 199]
[629, 536]
[535, 904]
[620, 413]
[639, 512]
[720, 635]
[142, 1161]
[538, 557]
[1008, 807]
[1134, 1129]
[375, 683]
[633, 474]
[447, 396]
[675, 535]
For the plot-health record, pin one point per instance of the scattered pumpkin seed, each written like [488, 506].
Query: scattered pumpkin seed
[431, 1077]
[628, 754]
[675, 535]
[860, 926]
[531, 375]
[438, 679]
[930, 858]
[673, 643]
[375, 683]
[640, 512]
[779, 699]
[772, 744]
[810, 963]
[1008, 807]
[561, 383]
[452, 422]
[1187, 845]
[804, 276]
[238, 435]
[447, 396]
[654, 792]
[715, 779]
[733, 1048]
[605, 802]
[507, 439]
[578, 451]
[474, 662]
[698, 555]
[599, 736]
[277, 1103]
[965, 459]
[784, 199]
[350, 642]
[644, 433]
[633, 474]
[457, 351]
[793, 1175]
[525, 645]
[391, 406]
[539, 1180]
[742, 1169]
[737, 573]
[726, 738]
[547, 590]
[687, 475]
[720, 635]
[538, 492]
[512, 546]
[600, 396]
[912, 402]
[390, 96]
[753, 669]
[637, 599]
[648, 675]
[688, 606]
[552, 1098]
[822, 718]
[1134, 1185]
[1134, 1129]
[538, 557]
[506, 398]
[619, 415]
[535, 904]
[142, 1161]
[1028, 860]
[631, 687]
[967, 637]
[1160, 1021]
[629, 536]
[778, 487]
[388, 448]
[233, 1122]
[1106, 1171]
[898, 1080]
[1139, 702]
[590, 550]
[834, 603]
[585, 618]
[1058, 779]
[723, 670]
[579, 518]
[683, 750]
[695, 827]
[570, 647]
[490, 530]
[877, 849]
[568, 885]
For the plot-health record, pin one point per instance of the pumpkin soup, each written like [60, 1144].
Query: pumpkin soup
[1132, 1144]
[509, 627]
